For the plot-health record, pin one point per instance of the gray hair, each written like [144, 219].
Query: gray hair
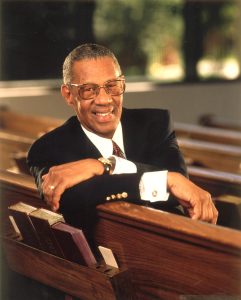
[85, 51]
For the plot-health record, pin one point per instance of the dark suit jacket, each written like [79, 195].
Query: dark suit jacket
[149, 142]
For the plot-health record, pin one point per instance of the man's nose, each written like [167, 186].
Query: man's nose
[103, 97]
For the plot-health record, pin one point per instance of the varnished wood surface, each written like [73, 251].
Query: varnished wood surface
[211, 155]
[215, 181]
[214, 135]
[176, 226]
[27, 125]
[166, 255]
[15, 180]
[10, 145]
[86, 283]
[169, 255]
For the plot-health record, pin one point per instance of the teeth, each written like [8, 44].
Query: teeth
[103, 114]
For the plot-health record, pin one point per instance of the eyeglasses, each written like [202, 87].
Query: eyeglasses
[90, 91]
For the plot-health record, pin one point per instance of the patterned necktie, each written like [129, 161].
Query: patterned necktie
[117, 150]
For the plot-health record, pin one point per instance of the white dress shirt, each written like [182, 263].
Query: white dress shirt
[153, 185]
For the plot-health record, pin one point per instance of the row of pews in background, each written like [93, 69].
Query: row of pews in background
[213, 156]
[192, 255]
[218, 149]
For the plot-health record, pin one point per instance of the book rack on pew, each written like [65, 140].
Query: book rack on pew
[97, 282]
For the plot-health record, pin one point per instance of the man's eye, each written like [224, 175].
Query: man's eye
[112, 84]
[88, 88]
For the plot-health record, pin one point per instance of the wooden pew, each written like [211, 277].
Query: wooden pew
[170, 255]
[216, 182]
[225, 189]
[16, 126]
[97, 282]
[214, 135]
[26, 125]
[211, 120]
[166, 255]
[12, 148]
[17, 133]
[211, 155]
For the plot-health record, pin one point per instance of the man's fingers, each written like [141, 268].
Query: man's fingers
[215, 214]
[57, 193]
[206, 212]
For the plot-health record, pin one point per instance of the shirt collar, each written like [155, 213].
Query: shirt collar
[104, 145]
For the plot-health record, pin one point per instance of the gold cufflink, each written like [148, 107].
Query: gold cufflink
[154, 193]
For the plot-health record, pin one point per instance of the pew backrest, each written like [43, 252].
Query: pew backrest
[169, 255]
[27, 125]
[212, 155]
[214, 135]
[166, 255]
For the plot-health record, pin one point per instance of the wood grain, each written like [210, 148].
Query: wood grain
[169, 255]
[87, 283]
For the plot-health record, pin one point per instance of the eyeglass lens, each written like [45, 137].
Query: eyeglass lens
[91, 90]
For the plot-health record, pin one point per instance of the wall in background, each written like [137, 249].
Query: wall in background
[186, 102]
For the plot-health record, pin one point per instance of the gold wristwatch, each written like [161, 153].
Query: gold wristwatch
[107, 164]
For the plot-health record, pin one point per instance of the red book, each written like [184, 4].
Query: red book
[74, 244]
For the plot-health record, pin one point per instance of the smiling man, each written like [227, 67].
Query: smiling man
[102, 115]
[77, 165]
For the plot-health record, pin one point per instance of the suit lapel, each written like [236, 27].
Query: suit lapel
[84, 148]
[131, 136]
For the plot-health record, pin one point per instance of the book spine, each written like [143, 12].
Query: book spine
[85, 250]
[47, 239]
[26, 228]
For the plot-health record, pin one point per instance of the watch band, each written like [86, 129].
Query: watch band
[107, 164]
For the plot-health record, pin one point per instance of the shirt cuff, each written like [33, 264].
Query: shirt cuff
[123, 166]
[153, 186]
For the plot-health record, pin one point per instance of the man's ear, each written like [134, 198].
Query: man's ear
[68, 97]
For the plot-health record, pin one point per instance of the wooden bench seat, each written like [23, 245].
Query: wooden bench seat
[211, 155]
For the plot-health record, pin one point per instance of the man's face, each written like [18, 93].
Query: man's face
[100, 115]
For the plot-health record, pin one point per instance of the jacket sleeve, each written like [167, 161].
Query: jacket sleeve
[91, 192]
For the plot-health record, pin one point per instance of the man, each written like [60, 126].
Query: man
[68, 163]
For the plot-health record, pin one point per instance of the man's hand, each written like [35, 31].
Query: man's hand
[197, 201]
[61, 177]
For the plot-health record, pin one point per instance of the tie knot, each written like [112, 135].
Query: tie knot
[117, 150]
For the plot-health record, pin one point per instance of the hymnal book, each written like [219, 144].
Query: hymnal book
[42, 220]
[74, 244]
[20, 214]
